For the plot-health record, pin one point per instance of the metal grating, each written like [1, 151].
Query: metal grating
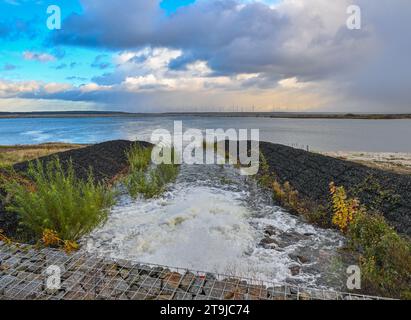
[24, 275]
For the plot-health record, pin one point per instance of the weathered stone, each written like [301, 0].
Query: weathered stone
[120, 285]
[278, 292]
[151, 286]
[111, 269]
[217, 289]
[172, 280]
[24, 290]
[72, 280]
[187, 280]
[304, 296]
[257, 293]
[299, 258]
[5, 281]
[124, 273]
[197, 286]
[165, 297]
[183, 296]
[137, 295]
[124, 264]
[79, 295]
[27, 276]
[235, 294]
[11, 263]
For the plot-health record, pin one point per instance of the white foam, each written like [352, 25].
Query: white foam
[200, 228]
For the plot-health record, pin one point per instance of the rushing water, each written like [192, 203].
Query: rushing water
[213, 219]
[318, 134]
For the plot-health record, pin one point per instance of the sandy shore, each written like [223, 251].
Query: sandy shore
[397, 162]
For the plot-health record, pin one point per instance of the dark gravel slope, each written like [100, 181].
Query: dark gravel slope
[311, 174]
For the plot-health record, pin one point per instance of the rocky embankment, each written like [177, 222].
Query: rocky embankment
[311, 173]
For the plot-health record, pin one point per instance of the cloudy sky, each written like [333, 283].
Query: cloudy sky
[206, 55]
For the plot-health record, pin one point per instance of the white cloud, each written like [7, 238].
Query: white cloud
[38, 56]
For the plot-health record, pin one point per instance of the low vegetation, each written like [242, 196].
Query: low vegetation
[56, 200]
[289, 198]
[146, 179]
[385, 256]
[10, 155]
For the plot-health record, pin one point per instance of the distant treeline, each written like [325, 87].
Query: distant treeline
[284, 115]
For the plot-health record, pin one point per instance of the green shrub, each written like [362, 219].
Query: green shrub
[138, 158]
[149, 181]
[58, 201]
[385, 256]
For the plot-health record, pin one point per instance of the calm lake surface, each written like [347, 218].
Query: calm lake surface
[318, 134]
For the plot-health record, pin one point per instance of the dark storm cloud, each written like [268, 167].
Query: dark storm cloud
[231, 38]
[369, 68]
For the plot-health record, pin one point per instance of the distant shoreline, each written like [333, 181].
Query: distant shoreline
[275, 115]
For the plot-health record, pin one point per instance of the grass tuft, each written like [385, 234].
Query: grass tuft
[146, 179]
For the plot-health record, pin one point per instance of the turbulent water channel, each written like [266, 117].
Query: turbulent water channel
[215, 220]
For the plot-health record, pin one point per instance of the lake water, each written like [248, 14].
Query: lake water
[317, 134]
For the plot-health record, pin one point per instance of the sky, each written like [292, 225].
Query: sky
[205, 55]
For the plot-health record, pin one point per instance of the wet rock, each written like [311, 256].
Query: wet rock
[308, 234]
[295, 270]
[299, 258]
[187, 280]
[289, 238]
[271, 231]
[268, 243]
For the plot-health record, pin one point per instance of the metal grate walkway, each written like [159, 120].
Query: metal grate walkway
[26, 273]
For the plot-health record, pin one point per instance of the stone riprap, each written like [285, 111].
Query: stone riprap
[311, 173]
[30, 274]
